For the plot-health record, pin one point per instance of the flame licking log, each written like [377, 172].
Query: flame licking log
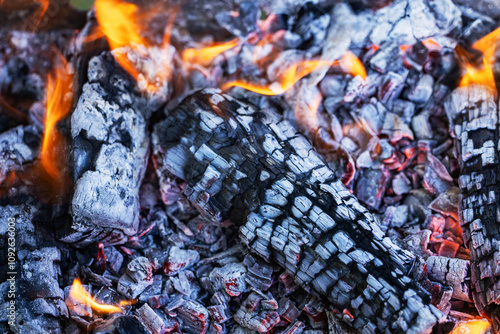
[474, 115]
[349, 63]
[53, 170]
[204, 56]
[79, 296]
[122, 23]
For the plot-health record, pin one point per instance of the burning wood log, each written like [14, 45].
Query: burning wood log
[474, 118]
[253, 168]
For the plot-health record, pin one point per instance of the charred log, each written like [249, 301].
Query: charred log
[109, 152]
[253, 168]
[474, 121]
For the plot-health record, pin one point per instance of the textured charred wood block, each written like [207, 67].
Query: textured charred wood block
[474, 120]
[109, 155]
[253, 168]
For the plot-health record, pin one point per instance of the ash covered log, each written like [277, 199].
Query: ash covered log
[253, 168]
[474, 120]
[33, 278]
[109, 152]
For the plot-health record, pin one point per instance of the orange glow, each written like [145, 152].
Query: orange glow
[431, 44]
[484, 74]
[59, 100]
[79, 295]
[349, 63]
[352, 65]
[205, 55]
[120, 22]
[472, 327]
[44, 4]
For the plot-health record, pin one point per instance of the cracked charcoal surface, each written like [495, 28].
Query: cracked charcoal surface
[109, 152]
[253, 168]
[474, 119]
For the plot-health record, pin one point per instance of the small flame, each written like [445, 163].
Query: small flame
[472, 327]
[484, 74]
[79, 295]
[120, 21]
[59, 100]
[349, 63]
[44, 4]
[205, 55]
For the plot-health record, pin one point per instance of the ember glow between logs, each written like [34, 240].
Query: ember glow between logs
[349, 64]
[78, 294]
[484, 74]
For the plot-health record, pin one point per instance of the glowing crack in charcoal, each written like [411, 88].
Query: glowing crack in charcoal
[205, 55]
[79, 297]
[121, 23]
[482, 75]
[348, 63]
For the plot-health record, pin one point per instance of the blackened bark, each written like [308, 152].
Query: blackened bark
[253, 168]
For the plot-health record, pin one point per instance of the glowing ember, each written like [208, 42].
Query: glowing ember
[59, 100]
[205, 55]
[472, 327]
[349, 64]
[78, 295]
[484, 74]
[120, 22]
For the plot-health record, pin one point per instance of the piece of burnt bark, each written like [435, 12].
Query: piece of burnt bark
[109, 152]
[474, 120]
[253, 168]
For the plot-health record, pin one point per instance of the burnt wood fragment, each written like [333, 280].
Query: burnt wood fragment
[109, 152]
[255, 169]
[474, 120]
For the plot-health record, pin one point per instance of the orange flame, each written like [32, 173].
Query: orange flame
[59, 100]
[78, 294]
[483, 75]
[472, 327]
[120, 21]
[205, 55]
[44, 5]
[349, 63]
